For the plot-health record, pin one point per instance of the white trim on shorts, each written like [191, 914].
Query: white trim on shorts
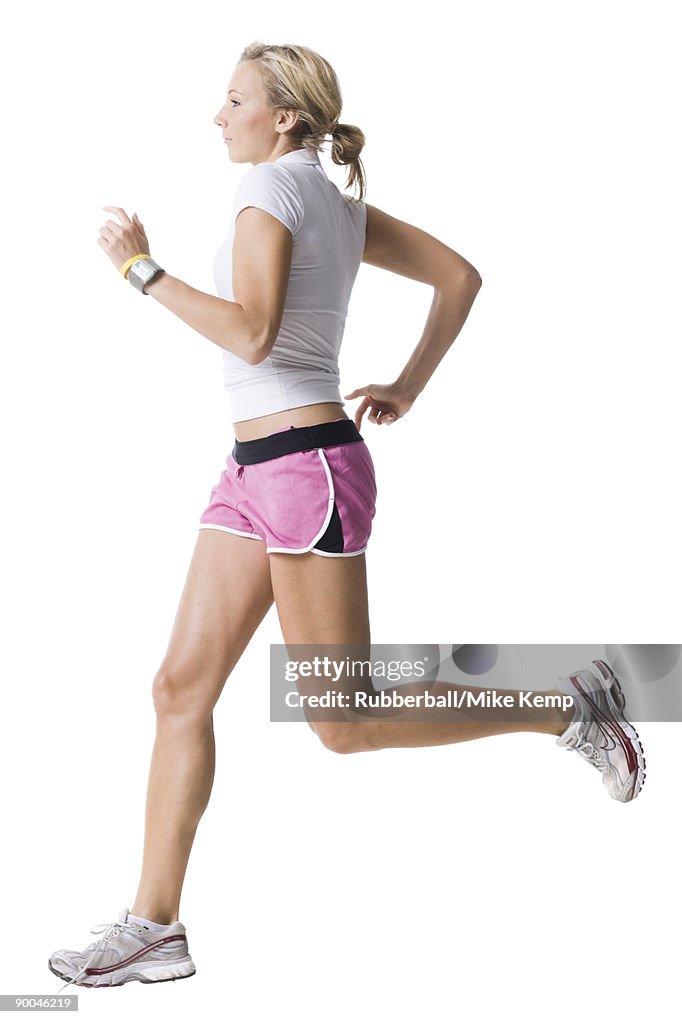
[339, 554]
[229, 529]
[254, 536]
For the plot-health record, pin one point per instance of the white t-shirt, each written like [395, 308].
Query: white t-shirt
[328, 230]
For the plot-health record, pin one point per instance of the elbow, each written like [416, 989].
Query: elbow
[259, 348]
[473, 279]
[465, 279]
[467, 274]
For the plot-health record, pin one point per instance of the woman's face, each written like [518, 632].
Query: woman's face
[248, 123]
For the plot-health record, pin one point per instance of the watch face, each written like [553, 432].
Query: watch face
[143, 270]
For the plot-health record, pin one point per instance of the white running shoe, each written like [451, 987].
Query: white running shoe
[126, 952]
[600, 732]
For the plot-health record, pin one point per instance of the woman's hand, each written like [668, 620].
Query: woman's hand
[122, 241]
[386, 402]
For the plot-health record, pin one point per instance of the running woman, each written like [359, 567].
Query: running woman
[290, 516]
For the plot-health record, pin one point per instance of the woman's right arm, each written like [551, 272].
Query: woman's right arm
[403, 249]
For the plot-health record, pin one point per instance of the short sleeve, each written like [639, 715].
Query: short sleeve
[270, 187]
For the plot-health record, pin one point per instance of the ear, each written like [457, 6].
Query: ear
[287, 120]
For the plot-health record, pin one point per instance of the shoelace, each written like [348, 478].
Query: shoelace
[591, 754]
[111, 929]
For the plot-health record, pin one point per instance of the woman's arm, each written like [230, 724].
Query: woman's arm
[261, 260]
[394, 245]
[227, 324]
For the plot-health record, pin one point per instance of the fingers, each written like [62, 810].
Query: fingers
[378, 413]
[126, 221]
[121, 213]
[366, 391]
[135, 224]
[362, 409]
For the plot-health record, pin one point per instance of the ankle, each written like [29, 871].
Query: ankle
[564, 716]
[149, 913]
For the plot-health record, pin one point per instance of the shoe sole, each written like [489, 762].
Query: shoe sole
[610, 685]
[161, 970]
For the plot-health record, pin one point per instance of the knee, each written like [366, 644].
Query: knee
[173, 692]
[346, 737]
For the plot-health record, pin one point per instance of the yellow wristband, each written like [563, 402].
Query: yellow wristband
[128, 264]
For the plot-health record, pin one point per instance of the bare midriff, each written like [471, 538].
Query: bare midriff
[303, 416]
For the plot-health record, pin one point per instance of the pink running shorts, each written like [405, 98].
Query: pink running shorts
[319, 498]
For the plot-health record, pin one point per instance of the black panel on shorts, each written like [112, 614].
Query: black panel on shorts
[332, 538]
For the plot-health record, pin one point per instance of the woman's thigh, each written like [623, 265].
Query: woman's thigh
[323, 610]
[226, 595]
[321, 600]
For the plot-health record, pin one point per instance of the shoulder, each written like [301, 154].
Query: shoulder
[270, 177]
[358, 205]
[358, 212]
[273, 188]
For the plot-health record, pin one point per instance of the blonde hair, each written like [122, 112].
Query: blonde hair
[297, 78]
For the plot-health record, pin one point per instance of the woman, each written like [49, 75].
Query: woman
[300, 479]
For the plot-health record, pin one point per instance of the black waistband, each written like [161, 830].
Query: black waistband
[297, 439]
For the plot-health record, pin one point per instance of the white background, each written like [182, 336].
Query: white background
[531, 495]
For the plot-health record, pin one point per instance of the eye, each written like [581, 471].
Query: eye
[236, 102]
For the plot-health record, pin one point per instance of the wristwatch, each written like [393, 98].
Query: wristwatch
[143, 272]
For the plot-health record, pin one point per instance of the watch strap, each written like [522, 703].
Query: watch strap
[143, 271]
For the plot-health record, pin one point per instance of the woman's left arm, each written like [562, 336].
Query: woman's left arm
[243, 331]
